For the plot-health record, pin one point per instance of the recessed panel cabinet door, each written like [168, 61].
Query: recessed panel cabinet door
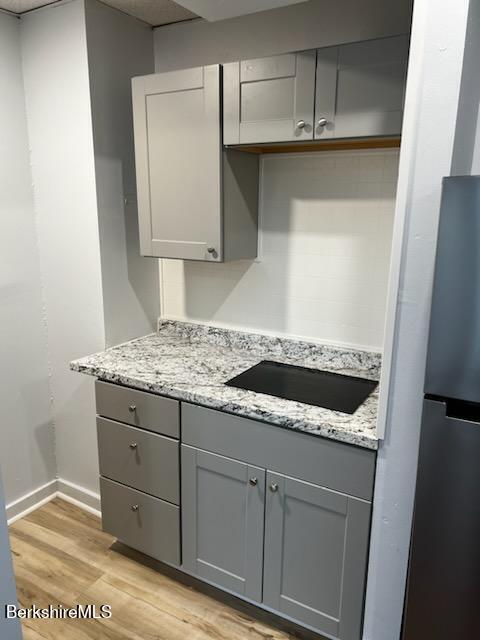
[269, 99]
[178, 163]
[360, 89]
[223, 521]
[316, 543]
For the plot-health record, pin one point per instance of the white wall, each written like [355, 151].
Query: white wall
[78, 60]
[318, 23]
[60, 131]
[119, 47]
[326, 227]
[433, 88]
[27, 458]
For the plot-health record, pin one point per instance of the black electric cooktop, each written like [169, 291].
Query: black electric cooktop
[321, 388]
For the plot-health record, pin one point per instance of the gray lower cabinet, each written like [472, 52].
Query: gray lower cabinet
[222, 521]
[316, 545]
[138, 408]
[262, 512]
[140, 459]
[142, 522]
[327, 463]
[140, 469]
[297, 548]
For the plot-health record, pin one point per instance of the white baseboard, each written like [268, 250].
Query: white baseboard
[31, 501]
[79, 496]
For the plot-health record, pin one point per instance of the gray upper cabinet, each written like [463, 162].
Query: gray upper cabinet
[269, 99]
[360, 89]
[222, 521]
[354, 90]
[316, 545]
[192, 197]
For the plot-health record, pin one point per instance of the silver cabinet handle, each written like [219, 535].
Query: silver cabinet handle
[133, 445]
[134, 507]
[253, 481]
[274, 487]
[211, 249]
[132, 408]
[301, 124]
[322, 122]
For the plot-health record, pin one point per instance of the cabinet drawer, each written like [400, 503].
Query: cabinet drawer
[142, 522]
[138, 408]
[331, 464]
[139, 459]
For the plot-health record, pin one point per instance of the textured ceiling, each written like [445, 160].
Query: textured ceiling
[213, 10]
[155, 12]
[19, 6]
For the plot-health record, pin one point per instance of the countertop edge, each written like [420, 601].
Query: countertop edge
[343, 435]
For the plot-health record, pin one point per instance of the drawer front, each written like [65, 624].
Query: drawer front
[139, 459]
[138, 408]
[142, 522]
[324, 462]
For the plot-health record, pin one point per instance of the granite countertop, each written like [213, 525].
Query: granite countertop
[192, 362]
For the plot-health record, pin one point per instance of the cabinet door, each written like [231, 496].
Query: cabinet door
[316, 544]
[223, 521]
[360, 89]
[269, 99]
[178, 163]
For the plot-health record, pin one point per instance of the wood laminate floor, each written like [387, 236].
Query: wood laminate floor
[61, 556]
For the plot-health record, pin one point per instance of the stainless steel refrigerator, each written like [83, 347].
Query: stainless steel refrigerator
[443, 591]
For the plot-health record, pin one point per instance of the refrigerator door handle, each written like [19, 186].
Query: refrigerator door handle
[463, 410]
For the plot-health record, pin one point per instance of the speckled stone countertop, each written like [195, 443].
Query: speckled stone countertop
[192, 362]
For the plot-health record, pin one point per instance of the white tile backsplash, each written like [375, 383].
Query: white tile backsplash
[326, 223]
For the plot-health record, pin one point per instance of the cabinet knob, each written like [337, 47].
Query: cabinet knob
[211, 249]
[134, 507]
[253, 481]
[301, 124]
[322, 122]
[133, 445]
[274, 487]
[132, 408]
